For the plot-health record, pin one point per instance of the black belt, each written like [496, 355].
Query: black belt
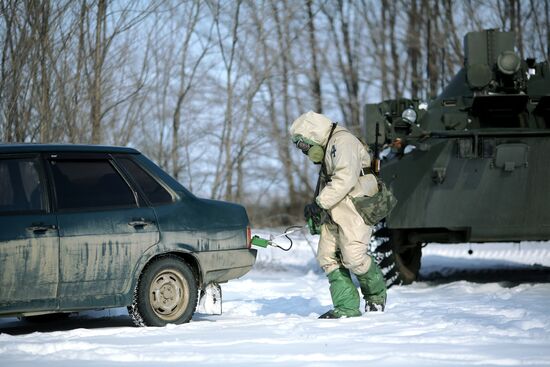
[365, 171]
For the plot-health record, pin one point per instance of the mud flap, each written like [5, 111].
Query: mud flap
[210, 301]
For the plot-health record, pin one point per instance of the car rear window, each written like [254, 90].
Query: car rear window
[154, 191]
[20, 186]
[85, 184]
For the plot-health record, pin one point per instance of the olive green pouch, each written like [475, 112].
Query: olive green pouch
[377, 207]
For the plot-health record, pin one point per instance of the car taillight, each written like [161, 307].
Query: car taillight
[248, 237]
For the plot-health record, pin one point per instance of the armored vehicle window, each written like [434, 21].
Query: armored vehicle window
[502, 111]
[156, 194]
[20, 186]
[89, 184]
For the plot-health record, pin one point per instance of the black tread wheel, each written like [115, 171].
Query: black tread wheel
[166, 293]
[408, 263]
[399, 265]
[382, 252]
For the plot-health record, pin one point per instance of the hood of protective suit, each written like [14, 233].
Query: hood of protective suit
[312, 126]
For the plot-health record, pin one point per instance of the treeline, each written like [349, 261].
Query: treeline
[209, 88]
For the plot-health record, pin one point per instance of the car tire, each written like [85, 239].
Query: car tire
[166, 293]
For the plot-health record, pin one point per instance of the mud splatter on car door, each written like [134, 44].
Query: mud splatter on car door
[103, 231]
[29, 241]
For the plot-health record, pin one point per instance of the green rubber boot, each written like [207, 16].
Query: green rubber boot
[345, 297]
[373, 287]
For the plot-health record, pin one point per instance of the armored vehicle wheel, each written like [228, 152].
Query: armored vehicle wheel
[407, 261]
[399, 263]
[166, 294]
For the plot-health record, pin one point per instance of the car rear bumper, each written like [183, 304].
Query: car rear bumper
[221, 266]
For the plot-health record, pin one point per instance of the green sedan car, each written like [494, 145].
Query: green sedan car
[92, 227]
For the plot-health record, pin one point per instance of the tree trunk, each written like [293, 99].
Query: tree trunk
[315, 75]
[396, 67]
[455, 55]
[413, 42]
[44, 110]
[345, 55]
[355, 123]
[383, 55]
[186, 80]
[547, 11]
[432, 45]
[519, 28]
[283, 145]
[225, 166]
[96, 95]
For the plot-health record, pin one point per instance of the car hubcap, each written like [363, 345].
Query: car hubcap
[168, 295]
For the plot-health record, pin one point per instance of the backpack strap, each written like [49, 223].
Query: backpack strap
[323, 170]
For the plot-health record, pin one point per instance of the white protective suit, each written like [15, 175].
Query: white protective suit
[345, 156]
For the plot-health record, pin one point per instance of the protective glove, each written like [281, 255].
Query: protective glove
[312, 211]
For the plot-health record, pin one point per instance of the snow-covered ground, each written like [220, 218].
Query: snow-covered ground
[490, 308]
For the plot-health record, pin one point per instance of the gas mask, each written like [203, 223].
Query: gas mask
[316, 154]
[314, 151]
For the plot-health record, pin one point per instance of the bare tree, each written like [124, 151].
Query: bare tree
[15, 54]
[224, 168]
[340, 18]
[547, 26]
[187, 74]
[100, 49]
[413, 48]
[107, 27]
[540, 13]
[208, 89]
[453, 54]
[315, 77]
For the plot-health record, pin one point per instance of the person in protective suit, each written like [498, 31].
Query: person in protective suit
[344, 236]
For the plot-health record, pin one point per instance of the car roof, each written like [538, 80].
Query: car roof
[52, 148]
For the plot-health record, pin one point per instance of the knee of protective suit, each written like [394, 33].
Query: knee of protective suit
[328, 263]
[358, 262]
[327, 251]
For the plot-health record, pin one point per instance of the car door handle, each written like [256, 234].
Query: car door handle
[139, 223]
[41, 228]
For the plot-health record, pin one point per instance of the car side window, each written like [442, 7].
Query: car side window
[89, 184]
[21, 189]
[154, 191]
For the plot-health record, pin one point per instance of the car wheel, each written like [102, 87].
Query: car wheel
[166, 294]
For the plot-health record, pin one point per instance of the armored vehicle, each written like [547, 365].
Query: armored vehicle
[472, 165]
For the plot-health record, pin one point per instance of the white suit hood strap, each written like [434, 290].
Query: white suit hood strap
[344, 169]
[323, 170]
